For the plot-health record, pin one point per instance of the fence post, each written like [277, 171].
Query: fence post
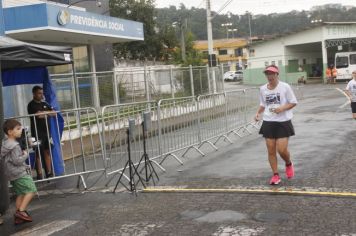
[222, 77]
[214, 80]
[208, 75]
[75, 88]
[147, 87]
[159, 128]
[171, 80]
[199, 119]
[201, 82]
[191, 79]
[116, 89]
[94, 79]
[226, 112]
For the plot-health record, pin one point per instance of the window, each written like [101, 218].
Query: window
[273, 63]
[223, 52]
[352, 59]
[266, 63]
[238, 52]
[341, 62]
[252, 52]
[304, 61]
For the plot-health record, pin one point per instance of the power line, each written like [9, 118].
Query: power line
[201, 3]
[224, 6]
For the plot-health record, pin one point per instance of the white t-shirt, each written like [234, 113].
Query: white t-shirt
[351, 86]
[271, 99]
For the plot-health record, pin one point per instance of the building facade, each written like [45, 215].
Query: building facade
[311, 49]
[231, 53]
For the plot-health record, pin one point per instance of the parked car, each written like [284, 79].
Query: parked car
[233, 75]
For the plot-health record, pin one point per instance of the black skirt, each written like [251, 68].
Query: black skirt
[353, 107]
[275, 130]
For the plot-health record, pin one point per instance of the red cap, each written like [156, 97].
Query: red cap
[273, 69]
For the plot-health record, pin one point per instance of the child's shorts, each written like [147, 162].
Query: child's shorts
[24, 185]
[276, 130]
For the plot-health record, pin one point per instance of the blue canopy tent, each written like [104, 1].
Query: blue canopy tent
[25, 63]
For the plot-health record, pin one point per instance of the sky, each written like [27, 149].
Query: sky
[254, 6]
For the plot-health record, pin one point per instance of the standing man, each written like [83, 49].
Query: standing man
[276, 102]
[40, 130]
[333, 74]
[328, 74]
[351, 92]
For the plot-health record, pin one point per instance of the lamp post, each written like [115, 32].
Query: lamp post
[316, 21]
[227, 28]
[233, 32]
[182, 25]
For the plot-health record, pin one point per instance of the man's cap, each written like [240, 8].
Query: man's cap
[273, 69]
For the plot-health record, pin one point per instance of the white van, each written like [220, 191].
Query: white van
[345, 63]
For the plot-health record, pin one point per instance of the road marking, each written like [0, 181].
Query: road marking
[347, 97]
[46, 229]
[284, 191]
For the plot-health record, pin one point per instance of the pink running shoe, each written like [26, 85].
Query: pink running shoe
[275, 180]
[290, 171]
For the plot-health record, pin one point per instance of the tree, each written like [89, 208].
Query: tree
[141, 11]
[261, 25]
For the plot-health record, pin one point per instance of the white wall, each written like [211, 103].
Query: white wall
[300, 54]
[339, 31]
[266, 53]
[308, 36]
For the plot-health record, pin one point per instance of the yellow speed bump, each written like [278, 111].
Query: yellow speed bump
[284, 191]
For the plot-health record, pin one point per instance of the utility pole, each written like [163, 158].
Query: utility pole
[249, 25]
[210, 42]
[183, 26]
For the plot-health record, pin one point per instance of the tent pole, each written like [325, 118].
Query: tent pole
[4, 189]
[76, 87]
[1, 110]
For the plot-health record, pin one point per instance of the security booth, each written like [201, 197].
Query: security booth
[306, 53]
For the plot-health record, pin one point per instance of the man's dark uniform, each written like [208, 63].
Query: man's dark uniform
[41, 124]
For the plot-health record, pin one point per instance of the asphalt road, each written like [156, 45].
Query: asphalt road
[324, 154]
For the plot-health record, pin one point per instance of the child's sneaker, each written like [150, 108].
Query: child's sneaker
[18, 221]
[275, 180]
[290, 171]
[23, 215]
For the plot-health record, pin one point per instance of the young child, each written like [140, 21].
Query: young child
[17, 172]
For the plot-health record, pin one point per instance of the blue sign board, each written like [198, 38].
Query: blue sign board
[47, 16]
[2, 27]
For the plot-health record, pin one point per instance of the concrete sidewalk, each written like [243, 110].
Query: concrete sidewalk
[323, 151]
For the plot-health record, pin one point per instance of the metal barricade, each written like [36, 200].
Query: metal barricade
[298, 90]
[76, 152]
[236, 118]
[178, 126]
[212, 118]
[115, 122]
[252, 103]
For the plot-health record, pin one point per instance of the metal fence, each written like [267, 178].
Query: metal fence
[77, 152]
[177, 125]
[115, 124]
[135, 85]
